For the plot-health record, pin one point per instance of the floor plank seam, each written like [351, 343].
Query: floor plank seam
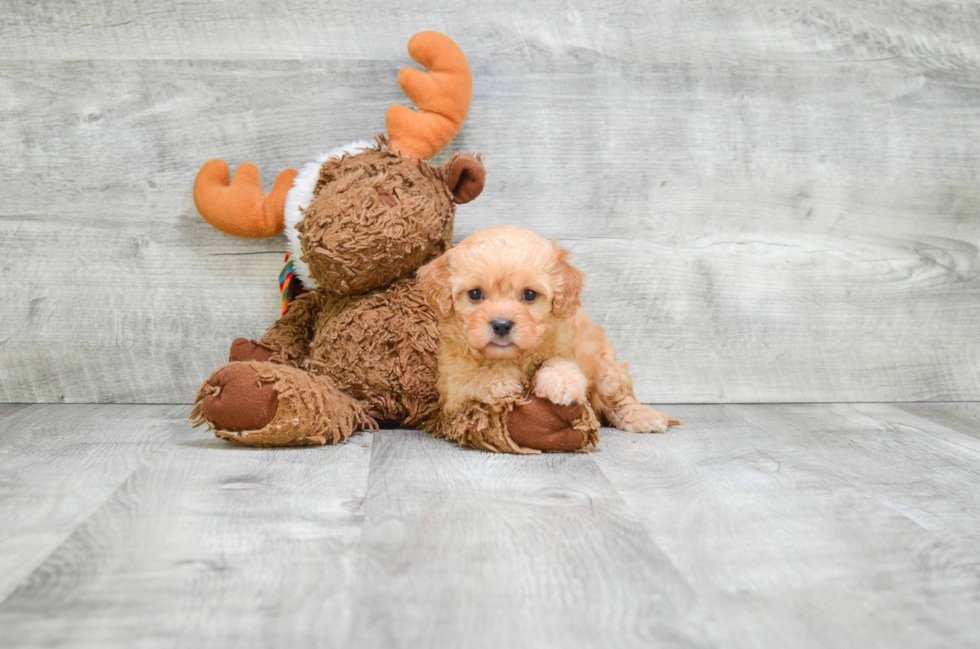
[156, 450]
[959, 440]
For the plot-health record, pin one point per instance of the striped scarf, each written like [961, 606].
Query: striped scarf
[290, 286]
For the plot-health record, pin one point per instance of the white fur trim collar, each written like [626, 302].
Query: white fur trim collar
[300, 196]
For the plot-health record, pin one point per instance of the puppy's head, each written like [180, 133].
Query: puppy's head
[504, 287]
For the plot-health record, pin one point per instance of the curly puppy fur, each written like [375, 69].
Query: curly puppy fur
[510, 315]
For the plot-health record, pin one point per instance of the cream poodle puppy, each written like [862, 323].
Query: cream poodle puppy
[510, 315]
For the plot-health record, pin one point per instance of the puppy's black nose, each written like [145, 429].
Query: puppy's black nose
[502, 327]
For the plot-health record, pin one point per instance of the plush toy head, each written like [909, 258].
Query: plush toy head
[377, 216]
[368, 215]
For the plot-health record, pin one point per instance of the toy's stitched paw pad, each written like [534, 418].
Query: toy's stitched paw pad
[241, 401]
[244, 349]
[545, 426]
[561, 383]
[637, 418]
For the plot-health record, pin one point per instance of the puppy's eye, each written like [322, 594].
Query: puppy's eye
[529, 295]
[476, 295]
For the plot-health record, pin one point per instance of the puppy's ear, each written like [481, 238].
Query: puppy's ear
[434, 278]
[465, 176]
[568, 290]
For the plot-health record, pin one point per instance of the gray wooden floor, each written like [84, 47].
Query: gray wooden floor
[753, 526]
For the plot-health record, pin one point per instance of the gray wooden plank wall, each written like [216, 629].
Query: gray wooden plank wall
[772, 202]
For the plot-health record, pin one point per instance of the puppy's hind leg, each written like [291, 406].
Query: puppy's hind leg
[611, 385]
[634, 417]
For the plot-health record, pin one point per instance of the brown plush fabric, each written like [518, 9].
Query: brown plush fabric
[243, 349]
[547, 426]
[480, 426]
[465, 177]
[354, 241]
[311, 410]
[523, 425]
[235, 399]
[361, 347]
[289, 338]
[380, 348]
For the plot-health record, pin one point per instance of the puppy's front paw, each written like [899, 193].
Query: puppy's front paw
[504, 388]
[637, 418]
[561, 381]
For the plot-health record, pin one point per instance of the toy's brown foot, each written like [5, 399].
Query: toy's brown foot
[267, 404]
[239, 400]
[243, 349]
[546, 426]
[523, 424]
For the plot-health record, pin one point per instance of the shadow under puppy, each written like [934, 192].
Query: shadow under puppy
[512, 329]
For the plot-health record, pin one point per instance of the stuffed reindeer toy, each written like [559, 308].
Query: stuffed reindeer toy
[356, 344]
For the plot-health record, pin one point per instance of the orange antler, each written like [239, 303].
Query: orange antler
[442, 96]
[241, 208]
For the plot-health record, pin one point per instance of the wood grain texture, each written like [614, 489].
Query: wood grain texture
[941, 33]
[465, 548]
[947, 425]
[58, 465]
[772, 203]
[205, 544]
[963, 418]
[752, 526]
[814, 524]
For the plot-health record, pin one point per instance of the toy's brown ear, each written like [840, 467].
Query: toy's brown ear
[434, 278]
[570, 282]
[465, 176]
